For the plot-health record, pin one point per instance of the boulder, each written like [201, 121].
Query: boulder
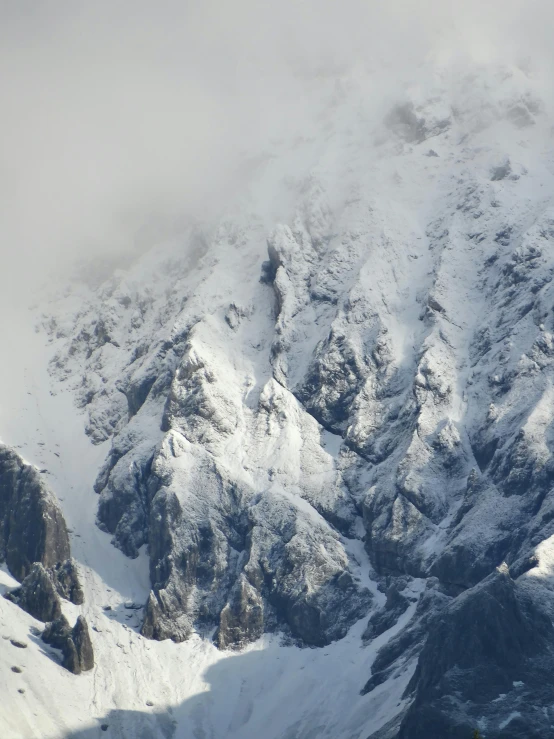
[75, 643]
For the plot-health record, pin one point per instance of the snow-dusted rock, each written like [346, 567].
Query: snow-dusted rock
[75, 643]
[217, 546]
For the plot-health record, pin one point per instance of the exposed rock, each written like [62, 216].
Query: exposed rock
[333, 382]
[18, 644]
[125, 495]
[487, 642]
[157, 625]
[37, 595]
[40, 592]
[75, 643]
[136, 392]
[199, 405]
[32, 527]
[434, 304]
[83, 644]
[242, 619]
[71, 657]
[383, 620]
[57, 632]
[67, 581]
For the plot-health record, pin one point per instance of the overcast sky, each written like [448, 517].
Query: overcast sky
[114, 113]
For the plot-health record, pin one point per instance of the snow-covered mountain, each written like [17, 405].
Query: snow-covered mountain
[305, 454]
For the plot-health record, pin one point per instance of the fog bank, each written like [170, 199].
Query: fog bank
[124, 118]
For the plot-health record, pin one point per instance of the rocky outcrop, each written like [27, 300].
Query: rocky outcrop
[378, 367]
[38, 595]
[40, 592]
[32, 527]
[246, 563]
[242, 619]
[83, 645]
[65, 576]
[488, 654]
[75, 643]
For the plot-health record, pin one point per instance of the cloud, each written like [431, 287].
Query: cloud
[116, 114]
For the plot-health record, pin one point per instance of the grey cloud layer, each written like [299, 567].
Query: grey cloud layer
[115, 113]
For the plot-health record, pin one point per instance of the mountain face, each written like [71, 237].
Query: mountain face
[36, 550]
[344, 416]
[32, 526]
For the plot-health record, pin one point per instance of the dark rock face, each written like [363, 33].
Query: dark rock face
[83, 644]
[491, 648]
[125, 498]
[75, 643]
[57, 632]
[40, 592]
[37, 595]
[242, 619]
[35, 545]
[333, 381]
[32, 527]
[157, 625]
[67, 583]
